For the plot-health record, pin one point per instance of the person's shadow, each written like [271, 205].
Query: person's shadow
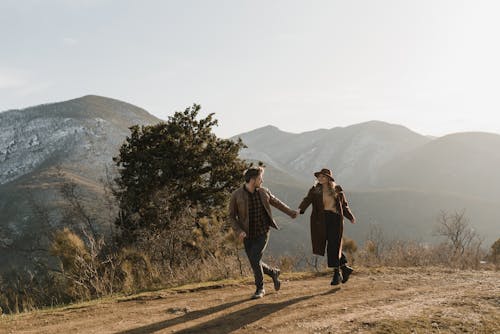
[226, 323]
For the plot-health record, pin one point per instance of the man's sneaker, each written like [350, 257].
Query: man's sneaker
[259, 294]
[276, 279]
[336, 277]
[346, 272]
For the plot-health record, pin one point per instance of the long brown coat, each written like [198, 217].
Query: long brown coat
[318, 227]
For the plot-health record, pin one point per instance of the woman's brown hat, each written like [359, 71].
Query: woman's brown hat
[326, 172]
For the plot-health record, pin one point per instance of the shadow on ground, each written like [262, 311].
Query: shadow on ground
[226, 323]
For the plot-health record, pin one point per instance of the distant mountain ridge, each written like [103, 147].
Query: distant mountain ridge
[352, 152]
[394, 178]
[463, 163]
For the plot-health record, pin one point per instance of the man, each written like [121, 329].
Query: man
[250, 216]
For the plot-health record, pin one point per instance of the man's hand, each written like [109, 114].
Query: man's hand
[353, 221]
[295, 214]
[242, 235]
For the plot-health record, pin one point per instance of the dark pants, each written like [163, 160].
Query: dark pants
[334, 229]
[254, 249]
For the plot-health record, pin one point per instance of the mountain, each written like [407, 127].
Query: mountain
[461, 163]
[87, 129]
[353, 152]
[398, 213]
[43, 146]
[394, 178]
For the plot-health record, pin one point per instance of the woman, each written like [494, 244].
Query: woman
[329, 206]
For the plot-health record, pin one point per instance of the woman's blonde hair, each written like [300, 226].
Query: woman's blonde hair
[331, 187]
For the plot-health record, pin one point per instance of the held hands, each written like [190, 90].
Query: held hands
[294, 214]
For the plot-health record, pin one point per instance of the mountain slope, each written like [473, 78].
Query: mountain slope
[44, 146]
[394, 177]
[402, 195]
[399, 214]
[352, 152]
[462, 163]
[87, 129]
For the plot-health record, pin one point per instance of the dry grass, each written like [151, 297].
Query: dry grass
[158, 292]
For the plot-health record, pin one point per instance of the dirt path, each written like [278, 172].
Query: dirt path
[386, 300]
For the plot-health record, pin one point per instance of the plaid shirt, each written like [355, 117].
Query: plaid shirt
[258, 217]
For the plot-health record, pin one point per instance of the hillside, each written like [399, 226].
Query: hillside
[353, 152]
[82, 133]
[461, 163]
[395, 179]
[378, 300]
[400, 214]
[43, 146]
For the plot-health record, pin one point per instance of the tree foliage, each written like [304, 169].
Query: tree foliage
[174, 165]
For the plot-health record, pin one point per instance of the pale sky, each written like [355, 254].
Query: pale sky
[430, 65]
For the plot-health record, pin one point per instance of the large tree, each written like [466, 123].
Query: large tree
[167, 169]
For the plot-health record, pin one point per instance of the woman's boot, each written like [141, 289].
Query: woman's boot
[346, 272]
[336, 277]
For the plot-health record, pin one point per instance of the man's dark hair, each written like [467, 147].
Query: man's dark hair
[252, 173]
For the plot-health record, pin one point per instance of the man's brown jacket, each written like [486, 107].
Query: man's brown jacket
[238, 208]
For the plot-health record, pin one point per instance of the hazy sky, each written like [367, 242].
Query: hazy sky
[431, 65]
